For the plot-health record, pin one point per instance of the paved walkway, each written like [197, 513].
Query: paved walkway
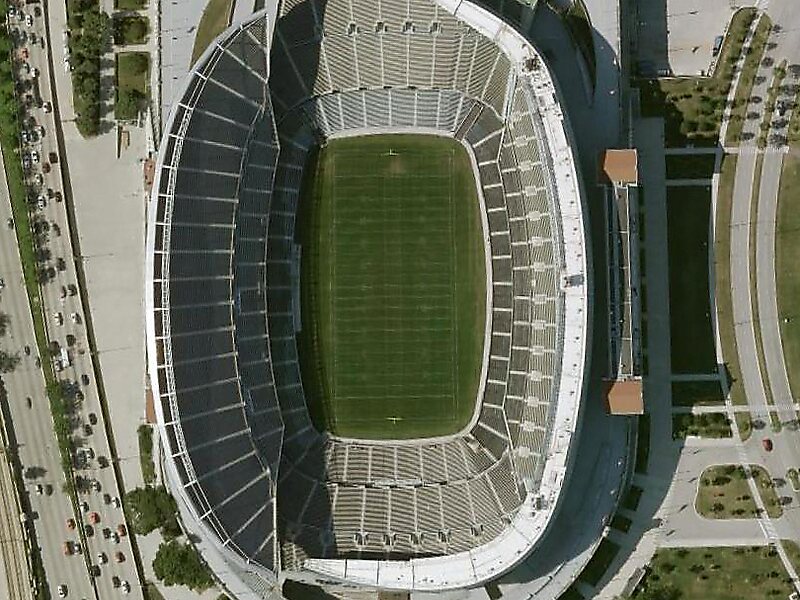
[647, 532]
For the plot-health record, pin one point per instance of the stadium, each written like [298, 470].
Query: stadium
[368, 297]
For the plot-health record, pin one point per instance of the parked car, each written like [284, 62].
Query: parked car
[71, 524]
[766, 443]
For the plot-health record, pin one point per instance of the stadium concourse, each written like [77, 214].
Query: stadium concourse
[275, 496]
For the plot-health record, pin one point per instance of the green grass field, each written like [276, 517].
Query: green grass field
[393, 287]
[691, 333]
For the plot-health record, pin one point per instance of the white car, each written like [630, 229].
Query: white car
[62, 591]
[102, 558]
[126, 587]
[34, 156]
[58, 318]
[75, 318]
[29, 20]
[115, 501]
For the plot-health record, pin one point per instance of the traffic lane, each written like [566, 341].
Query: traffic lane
[38, 449]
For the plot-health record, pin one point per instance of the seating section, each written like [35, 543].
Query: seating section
[330, 47]
[211, 319]
[227, 285]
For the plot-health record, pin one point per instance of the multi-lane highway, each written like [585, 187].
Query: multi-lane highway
[33, 428]
[99, 515]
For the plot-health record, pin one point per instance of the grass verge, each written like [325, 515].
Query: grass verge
[787, 265]
[145, 435]
[214, 20]
[723, 296]
[778, 75]
[747, 78]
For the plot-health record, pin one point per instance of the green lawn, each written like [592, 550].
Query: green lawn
[712, 425]
[599, 563]
[691, 334]
[133, 70]
[621, 523]
[131, 29]
[632, 498]
[696, 393]
[642, 443]
[214, 21]
[690, 166]
[129, 4]
[724, 493]
[393, 287]
[787, 266]
[743, 573]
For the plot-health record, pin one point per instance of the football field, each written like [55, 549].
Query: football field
[393, 287]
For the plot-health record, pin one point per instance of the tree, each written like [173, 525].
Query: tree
[8, 362]
[150, 508]
[128, 103]
[180, 564]
[132, 30]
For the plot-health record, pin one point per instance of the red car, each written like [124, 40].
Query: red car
[94, 518]
[766, 443]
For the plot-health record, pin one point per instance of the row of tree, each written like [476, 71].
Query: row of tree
[90, 35]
